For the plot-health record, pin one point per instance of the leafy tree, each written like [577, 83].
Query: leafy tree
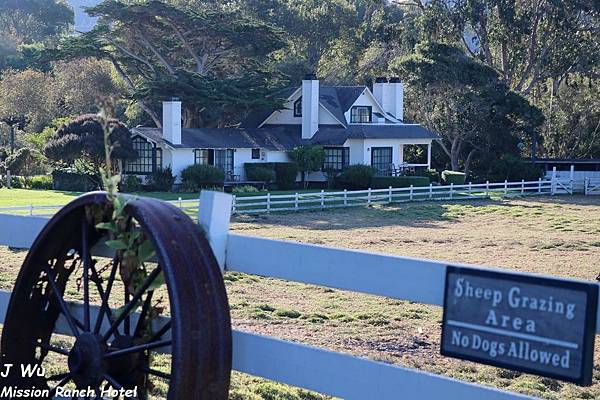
[25, 162]
[212, 59]
[308, 159]
[467, 103]
[26, 26]
[83, 139]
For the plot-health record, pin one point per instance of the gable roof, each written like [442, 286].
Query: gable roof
[335, 99]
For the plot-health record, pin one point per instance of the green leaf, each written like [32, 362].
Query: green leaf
[116, 244]
[158, 282]
[107, 226]
[145, 251]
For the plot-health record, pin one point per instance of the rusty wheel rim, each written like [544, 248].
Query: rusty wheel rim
[115, 347]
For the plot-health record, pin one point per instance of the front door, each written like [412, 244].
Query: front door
[381, 160]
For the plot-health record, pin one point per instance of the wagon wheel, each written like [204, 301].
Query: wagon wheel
[116, 333]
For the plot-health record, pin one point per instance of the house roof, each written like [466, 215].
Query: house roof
[285, 137]
[336, 99]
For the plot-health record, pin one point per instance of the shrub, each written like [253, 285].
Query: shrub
[356, 177]
[17, 182]
[261, 174]
[41, 182]
[131, 184]
[285, 173]
[455, 177]
[196, 177]
[513, 168]
[383, 182]
[73, 181]
[245, 189]
[432, 174]
[161, 180]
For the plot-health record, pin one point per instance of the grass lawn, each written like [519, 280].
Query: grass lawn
[549, 235]
[26, 197]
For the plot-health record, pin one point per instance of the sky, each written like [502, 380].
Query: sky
[83, 22]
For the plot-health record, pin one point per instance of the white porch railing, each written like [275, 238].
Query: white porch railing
[327, 372]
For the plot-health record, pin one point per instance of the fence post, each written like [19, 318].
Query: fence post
[296, 202]
[345, 197]
[322, 199]
[233, 198]
[572, 177]
[505, 187]
[539, 185]
[430, 191]
[369, 197]
[411, 192]
[487, 188]
[268, 202]
[179, 202]
[390, 194]
[8, 180]
[451, 189]
[585, 186]
[553, 182]
[470, 189]
[31, 209]
[522, 186]
[214, 214]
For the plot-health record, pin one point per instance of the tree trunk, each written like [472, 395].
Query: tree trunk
[468, 162]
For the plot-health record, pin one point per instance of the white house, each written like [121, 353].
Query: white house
[354, 125]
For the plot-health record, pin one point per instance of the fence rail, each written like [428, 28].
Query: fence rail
[345, 198]
[327, 372]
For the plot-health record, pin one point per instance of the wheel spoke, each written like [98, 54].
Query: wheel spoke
[133, 302]
[61, 301]
[58, 376]
[60, 384]
[139, 348]
[105, 308]
[161, 332]
[112, 381]
[145, 308]
[154, 372]
[127, 321]
[54, 349]
[85, 254]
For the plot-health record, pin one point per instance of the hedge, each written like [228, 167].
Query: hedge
[72, 181]
[455, 177]
[355, 177]
[285, 173]
[41, 182]
[384, 182]
[199, 176]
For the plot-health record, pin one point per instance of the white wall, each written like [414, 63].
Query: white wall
[286, 117]
[365, 99]
[360, 150]
[180, 159]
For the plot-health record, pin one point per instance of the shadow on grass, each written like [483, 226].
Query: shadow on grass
[425, 214]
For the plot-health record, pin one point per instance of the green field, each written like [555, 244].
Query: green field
[27, 197]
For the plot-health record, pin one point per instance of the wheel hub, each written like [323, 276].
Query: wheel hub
[86, 360]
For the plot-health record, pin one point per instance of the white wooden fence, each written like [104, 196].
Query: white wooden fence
[327, 372]
[323, 200]
[592, 186]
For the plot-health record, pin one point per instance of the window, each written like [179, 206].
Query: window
[224, 160]
[145, 163]
[381, 159]
[298, 107]
[336, 158]
[219, 158]
[203, 156]
[361, 114]
[159, 157]
[256, 154]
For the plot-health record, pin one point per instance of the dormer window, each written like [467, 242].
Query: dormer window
[361, 115]
[298, 107]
